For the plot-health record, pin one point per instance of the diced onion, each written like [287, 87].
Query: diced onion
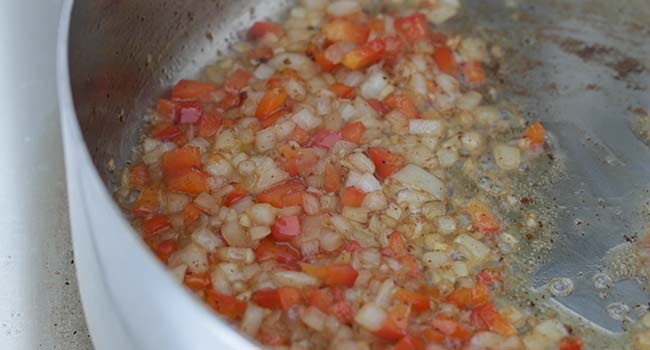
[412, 175]
[473, 246]
[507, 157]
[385, 293]
[362, 163]
[179, 272]
[353, 78]
[252, 319]
[237, 255]
[306, 119]
[343, 8]
[192, 255]
[243, 204]
[335, 52]
[469, 100]
[259, 232]
[355, 214]
[262, 213]
[446, 225]
[204, 237]
[234, 235]
[552, 329]
[294, 279]
[313, 318]
[298, 62]
[265, 139]
[310, 203]
[268, 174]
[375, 201]
[426, 126]
[370, 317]
[264, 71]
[373, 85]
[435, 259]
[207, 202]
[330, 241]
[176, 202]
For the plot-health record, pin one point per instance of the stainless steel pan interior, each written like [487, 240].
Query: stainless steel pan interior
[580, 66]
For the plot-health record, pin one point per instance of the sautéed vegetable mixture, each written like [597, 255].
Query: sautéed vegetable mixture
[303, 188]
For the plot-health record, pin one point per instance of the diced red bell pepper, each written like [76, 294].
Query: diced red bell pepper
[262, 53]
[237, 80]
[320, 299]
[343, 91]
[192, 182]
[299, 135]
[482, 218]
[438, 39]
[225, 305]
[209, 125]
[278, 251]
[331, 179]
[474, 73]
[272, 102]
[495, 322]
[451, 328]
[235, 195]
[336, 275]
[189, 112]
[352, 246]
[352, 197]
[345, 30]
[444, 58]
[166, 132]
[353, 132]
[535, 134]
[378, 106]
[489, 277]
[419, 302]
[325, 138]
[397, 244]
[192, 90]
[286, 228]
[470, 298]
[364, 55]
[571, 343]
[276, 195]
[180, 160]
[401, 102]
[271, 339]
[156, 224]
[260, 29]
[319, 56]
[393, 45]
[191, 214]
[409, 342]
[139, 176]
[167, 109]
[181, 171]
[413, 27]
[395, 324]
[433, 336]
[299, 162]
[230, 100]
[197, 281]
[386, 163]
[282, 298]
[342, 311]
[147, 202]
[165, 249]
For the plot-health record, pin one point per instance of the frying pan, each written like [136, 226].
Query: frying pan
[581, 67]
